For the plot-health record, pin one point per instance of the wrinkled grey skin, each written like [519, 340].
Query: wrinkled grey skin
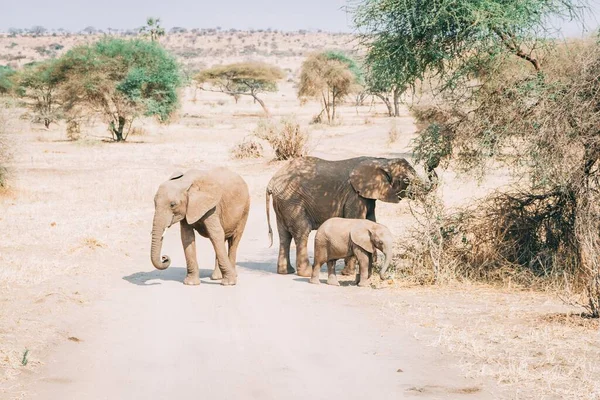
[344, 237]
[309, 190]
[214, 203]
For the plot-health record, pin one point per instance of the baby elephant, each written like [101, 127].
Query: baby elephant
[344, 237]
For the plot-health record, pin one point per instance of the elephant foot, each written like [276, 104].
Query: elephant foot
[228, 281]
[363, 283]
[314, 280]
[286, 271]
[216, 275]
[191, 280]
[347, 271]
[305, 273]
[332, 280]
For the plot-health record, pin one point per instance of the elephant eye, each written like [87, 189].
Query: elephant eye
[173, 204]
[387, 175]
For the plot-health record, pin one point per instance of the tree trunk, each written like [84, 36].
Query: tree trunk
[262, 104]
[397, 93]
[118, 131]
[387, 102]
[333, 98]
[326, 107]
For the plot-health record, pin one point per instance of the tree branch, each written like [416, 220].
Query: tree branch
[511, 44]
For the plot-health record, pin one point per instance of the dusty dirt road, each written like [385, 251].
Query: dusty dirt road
[269, 337]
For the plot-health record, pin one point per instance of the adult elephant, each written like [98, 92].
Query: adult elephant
[215, 203]
[309, 190]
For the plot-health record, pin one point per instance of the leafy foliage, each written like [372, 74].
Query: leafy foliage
[248, 78]
[6, 82]
[329, 77]
[121, 80]
[452, 40]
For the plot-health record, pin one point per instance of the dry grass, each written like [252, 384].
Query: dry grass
[512, 339]
[248, 148]
[286, 137]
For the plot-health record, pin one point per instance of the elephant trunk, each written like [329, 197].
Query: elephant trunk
[159, 226]
[386, 261]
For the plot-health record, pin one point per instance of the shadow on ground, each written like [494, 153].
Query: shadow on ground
[174, 274]
[264, 266]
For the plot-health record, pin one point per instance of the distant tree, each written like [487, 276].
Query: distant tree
[328, 77]
[248, 78]
[13, 32]
[38, 30]
[152, 29]
[120, 80]
[38, 84]
[90, 30]
[177, 29]
[6, 79]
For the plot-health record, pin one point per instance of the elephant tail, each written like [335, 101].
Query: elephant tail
[268, 196]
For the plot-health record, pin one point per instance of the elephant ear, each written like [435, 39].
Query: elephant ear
[203, 195]
[361, 237]
[373, 180]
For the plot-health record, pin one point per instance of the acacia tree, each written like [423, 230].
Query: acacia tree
[38, 83]
[328, 77]
[507, 94]
[120, 80]
[241, 79]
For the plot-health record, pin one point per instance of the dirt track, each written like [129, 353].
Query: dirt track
[269, 337]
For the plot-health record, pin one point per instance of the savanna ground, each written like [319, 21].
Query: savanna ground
[77, 217]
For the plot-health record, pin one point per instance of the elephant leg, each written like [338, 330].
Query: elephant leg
[331, 277]
[316, 270]
[188, 239]
[217, 238]
[216, 274]
[233, 243]
[284, 266]
[350, 268]
[364, 261]
[302, 265]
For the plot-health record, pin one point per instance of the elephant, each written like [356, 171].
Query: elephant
[215, 203]
[347, 237]
[309, 190]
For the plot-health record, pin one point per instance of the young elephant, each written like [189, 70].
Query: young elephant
[215, 203]
[344, 237]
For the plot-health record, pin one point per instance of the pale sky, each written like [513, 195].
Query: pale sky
[288, 15]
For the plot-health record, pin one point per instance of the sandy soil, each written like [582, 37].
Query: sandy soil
[78, 292]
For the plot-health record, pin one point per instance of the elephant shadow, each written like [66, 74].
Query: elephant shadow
[264, 266]
[323, 281]
[174, 274]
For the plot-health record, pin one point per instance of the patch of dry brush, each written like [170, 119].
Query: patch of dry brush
[286, 137]
[544, 126]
